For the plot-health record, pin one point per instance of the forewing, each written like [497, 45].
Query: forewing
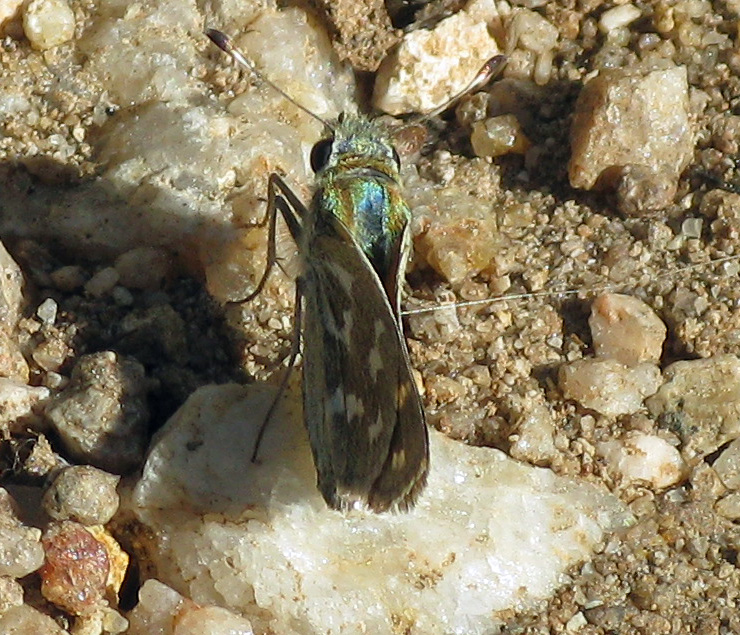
[362, 408]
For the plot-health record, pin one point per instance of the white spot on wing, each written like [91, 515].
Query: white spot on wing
[376, 428]
[355, 407]
[375, 361]
[379, 330]
[336, 401]
[344, 277]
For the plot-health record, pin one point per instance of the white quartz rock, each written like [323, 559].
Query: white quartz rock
[487, 534]
[626, 329]
[48, 23]
[162, 610]
[644, 458]
[608, 386]
[431, 66]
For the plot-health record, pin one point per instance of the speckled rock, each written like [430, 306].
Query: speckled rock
[20, 546]
[82, 493]
[101, 415]
[631, 117]
[700, 401]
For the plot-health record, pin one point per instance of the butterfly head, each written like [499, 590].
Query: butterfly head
[355, 142]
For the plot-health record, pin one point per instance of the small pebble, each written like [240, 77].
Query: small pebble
[122, 296]
[11, 593]
[48, 23]
[20, 546]
[618, 17]
[700, 400]
[430, 66]
[144, 268]
[608, 386]
[160, 607]
[626, 329]
[101, 415]
[75, 570]
[47, 311]
[9, 11]
[102, 282]
[68, 278]
[84, 494]
[623, 117]
[18, 403]
[729, 506]
[42, 460]
[26, 620]
[497, 136]
[640, 458]
[727, 466]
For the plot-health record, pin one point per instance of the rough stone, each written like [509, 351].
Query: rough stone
[430, 66]
[631, 117]
[700, 401]
[626, 329]
[82, 493]
[291, 558]
[101, 415]
[608, 386]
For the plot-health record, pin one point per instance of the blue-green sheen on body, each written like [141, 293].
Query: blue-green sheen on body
[360, 185]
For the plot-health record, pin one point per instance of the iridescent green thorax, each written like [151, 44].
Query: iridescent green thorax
[360, 184]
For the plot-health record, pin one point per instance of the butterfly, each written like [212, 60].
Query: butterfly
[361, 404]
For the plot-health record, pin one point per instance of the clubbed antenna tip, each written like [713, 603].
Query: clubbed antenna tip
[219, 39]
[223, 42]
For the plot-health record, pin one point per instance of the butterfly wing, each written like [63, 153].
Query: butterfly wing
[361, 405]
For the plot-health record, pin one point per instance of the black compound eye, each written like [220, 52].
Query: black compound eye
[320, 154]
[396, 158]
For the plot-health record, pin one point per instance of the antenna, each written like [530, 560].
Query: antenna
[224, 43]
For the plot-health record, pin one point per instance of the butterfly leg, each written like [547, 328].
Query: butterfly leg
[295, 349]
[279, 198]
